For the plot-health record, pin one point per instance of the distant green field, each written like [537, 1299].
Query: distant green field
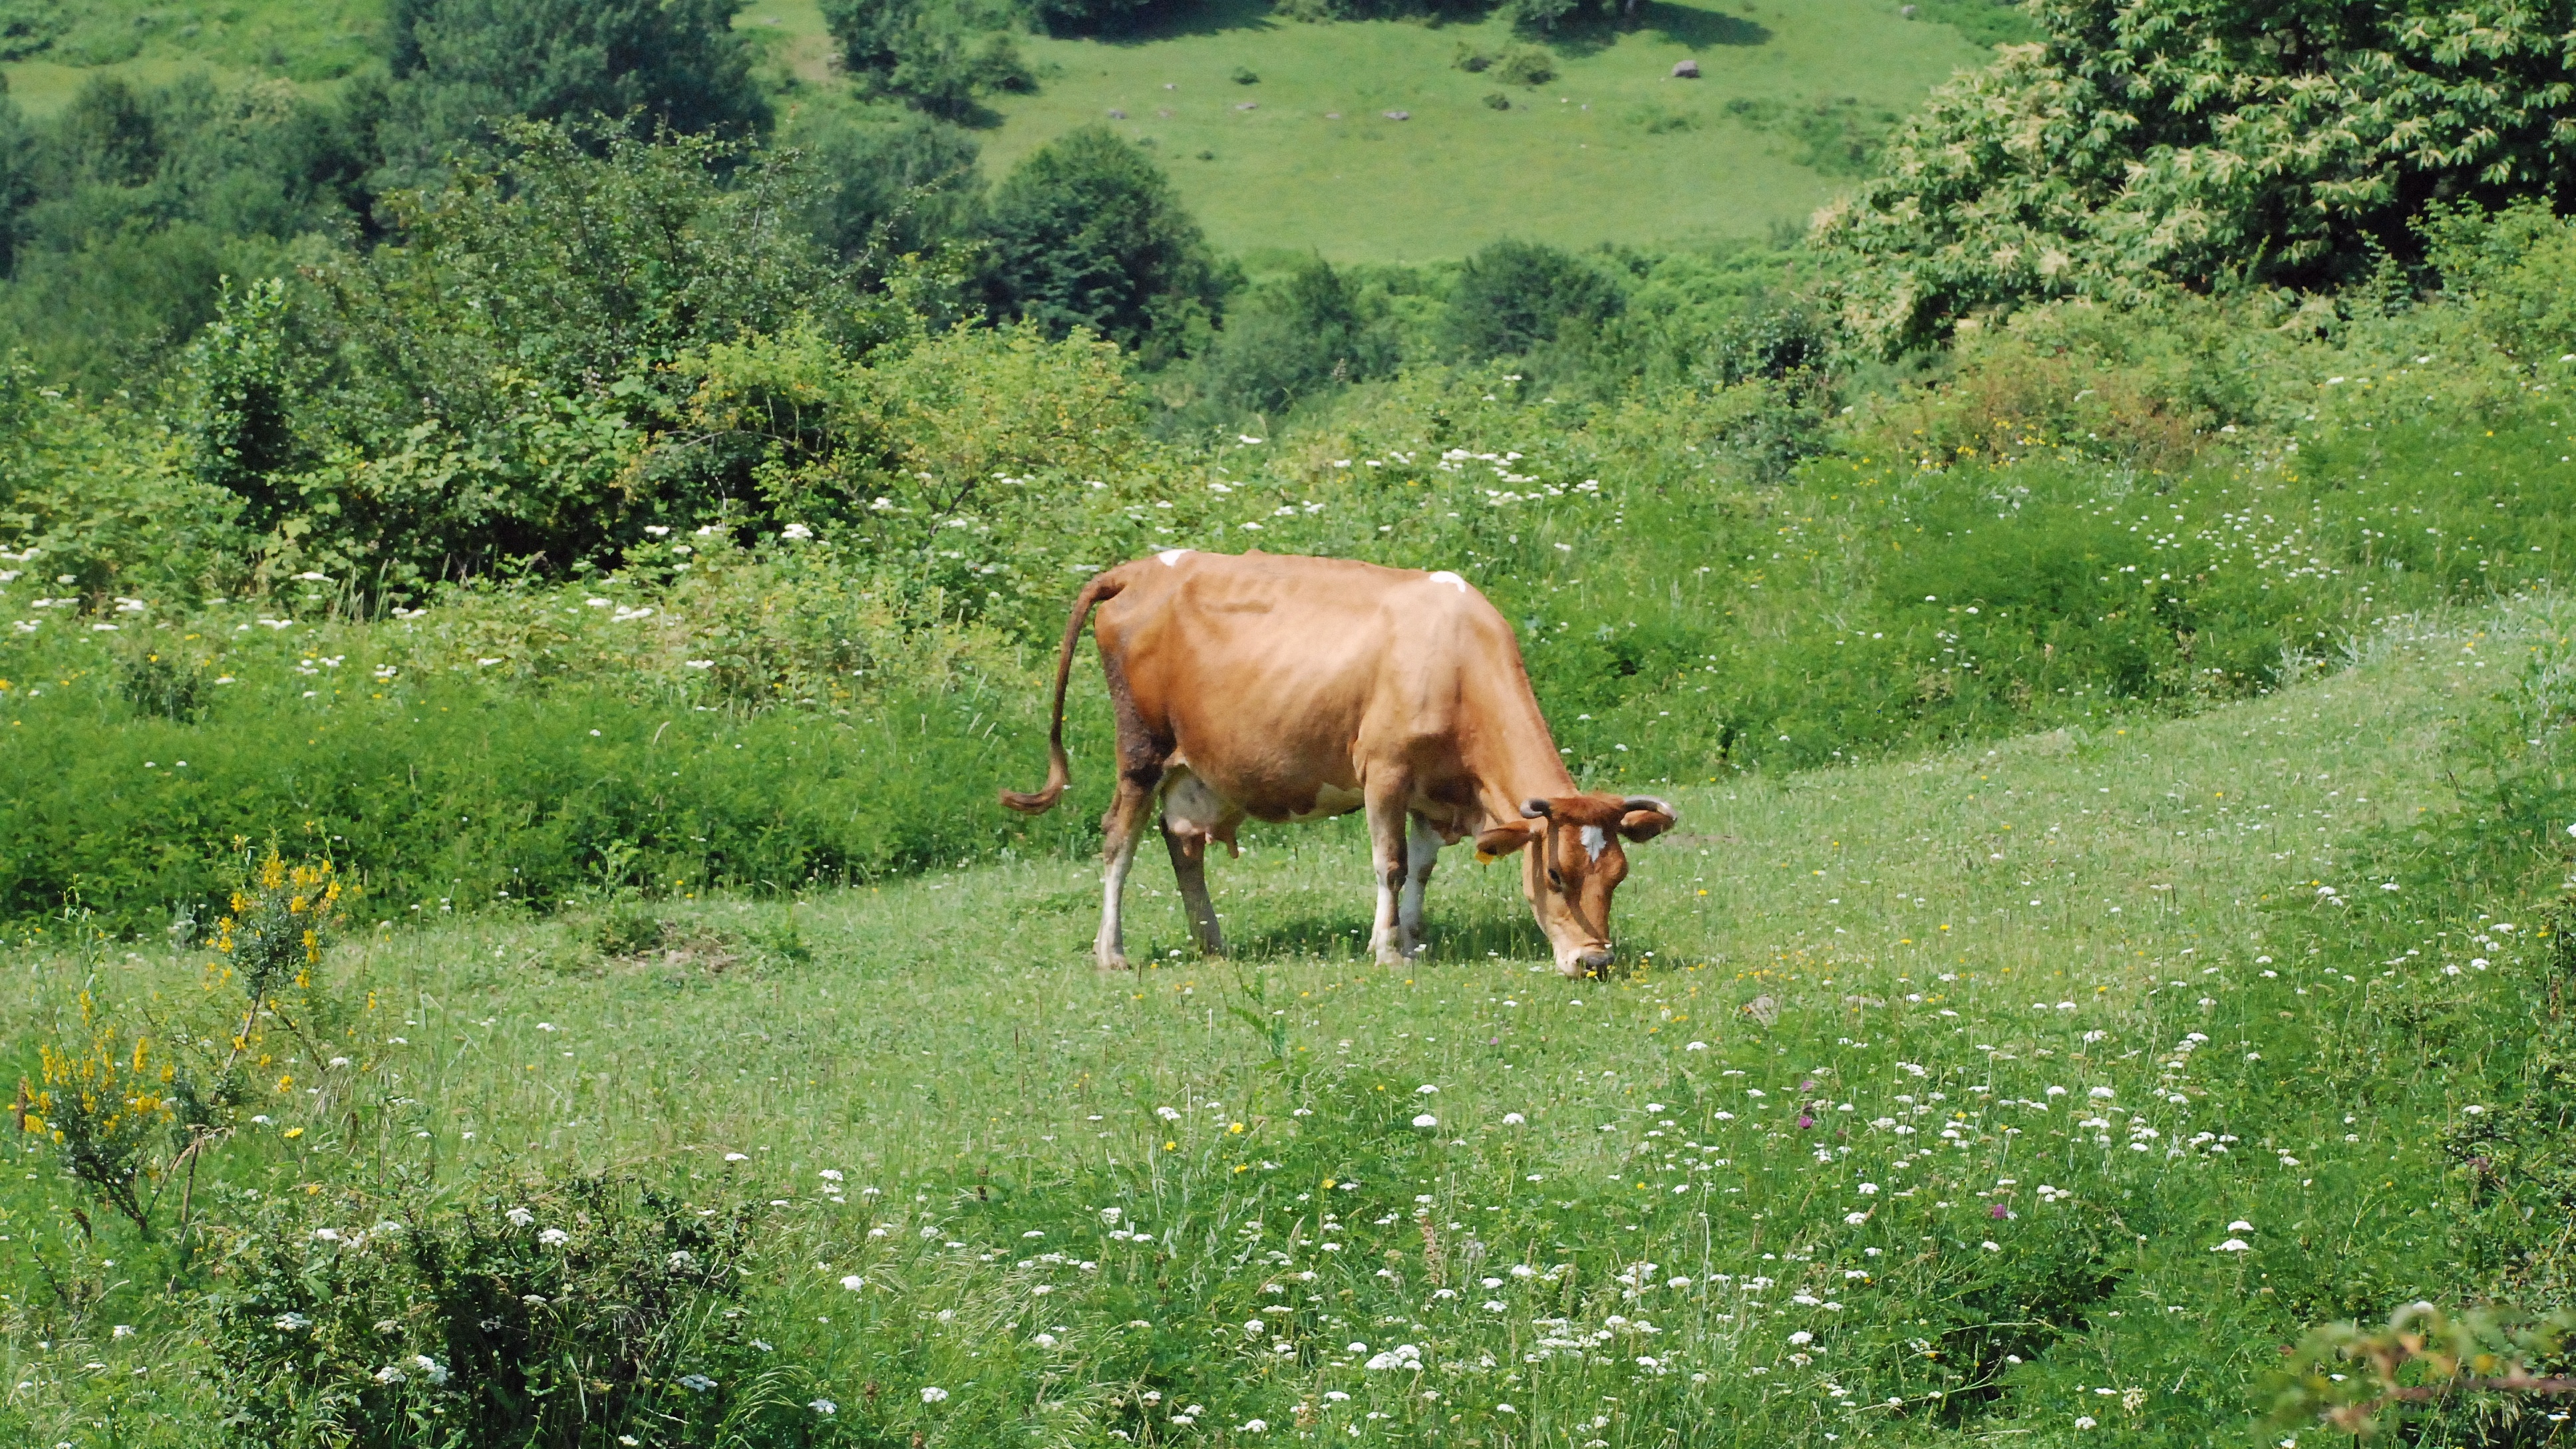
[1612, 149]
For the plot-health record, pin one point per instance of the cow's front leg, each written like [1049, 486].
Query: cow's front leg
[1120, 828]
[1189, 867]
[1386, 827]
[1421, 853]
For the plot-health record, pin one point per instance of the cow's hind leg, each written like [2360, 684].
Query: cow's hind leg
[1421, 853]
[1189, 867]
[1386, 827]
[1121, 828]
[1141, 758]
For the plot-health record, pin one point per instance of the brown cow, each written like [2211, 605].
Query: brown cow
[1290, 689]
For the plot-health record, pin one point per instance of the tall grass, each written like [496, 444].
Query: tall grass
[2131, 913]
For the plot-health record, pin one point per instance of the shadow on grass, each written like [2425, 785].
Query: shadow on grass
[1690, 25]
[1465, 938]
[1214, 17]
[1668, 22]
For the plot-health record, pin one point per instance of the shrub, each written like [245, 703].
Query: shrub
[443, 450]
[103, 1107]
[1294, 339]
[1525, 65]
[889, 188]
[1513, 295]
[457, 65]
[1088, 233]
[543, 1313]
[2008, 186]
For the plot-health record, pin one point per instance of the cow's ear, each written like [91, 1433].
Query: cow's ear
[1503, 839]
[1646, 817]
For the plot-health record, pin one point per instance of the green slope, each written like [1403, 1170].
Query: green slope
[1612, 149]
[1944, 944]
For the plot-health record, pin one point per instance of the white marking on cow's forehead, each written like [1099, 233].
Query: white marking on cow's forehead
[1594, 841]
[1446, 577]
[1172, 557]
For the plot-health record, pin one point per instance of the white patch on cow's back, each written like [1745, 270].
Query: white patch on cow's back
[1446, 577]
[1594, 841]
[1172, 557]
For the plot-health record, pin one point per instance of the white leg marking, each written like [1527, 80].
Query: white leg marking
[1421, 852]
[1110, 946]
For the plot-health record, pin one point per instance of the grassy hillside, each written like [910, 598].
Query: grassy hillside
[1945, 1084]
[1612, 149]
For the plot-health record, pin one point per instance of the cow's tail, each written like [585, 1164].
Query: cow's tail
[1059, 770]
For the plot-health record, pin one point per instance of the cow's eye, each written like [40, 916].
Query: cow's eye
[1556, 878]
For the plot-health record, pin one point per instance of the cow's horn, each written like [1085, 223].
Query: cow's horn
[1534, 809]
[1649, 802]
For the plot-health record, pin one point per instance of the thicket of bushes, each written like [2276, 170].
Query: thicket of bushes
[2093, 511]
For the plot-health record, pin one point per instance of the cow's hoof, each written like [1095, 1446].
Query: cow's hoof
[1111, 963]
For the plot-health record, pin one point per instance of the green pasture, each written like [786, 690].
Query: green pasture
[1924, 1112]
[1612, 150]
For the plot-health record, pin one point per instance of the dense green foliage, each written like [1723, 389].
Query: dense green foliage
[1087, 233]
[610, 530]
[459, 67]
[2199, 144]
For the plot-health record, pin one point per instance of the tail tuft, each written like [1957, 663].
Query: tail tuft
[1038, 803]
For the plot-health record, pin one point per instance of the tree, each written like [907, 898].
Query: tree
[460, 65]
[1087, 233]
[2189, 142]
[486, 385]
[1514, 296]
[1293, 339]
[940, 56]
[890, 188]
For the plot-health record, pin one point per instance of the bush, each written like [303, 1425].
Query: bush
[543, 1313]
[938, 56]
[437, 450]
[888, 188]
[1294, 339]
[450, 796]
[462, 67]
[1087, 233]
[2007, 186]
[1525, 65]
[1513, 296]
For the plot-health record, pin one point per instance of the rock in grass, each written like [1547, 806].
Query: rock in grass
[1398, 115]
[1116, 114]
[1686, 70]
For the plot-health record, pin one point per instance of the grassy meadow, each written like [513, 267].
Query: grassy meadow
[1611, 150]
[2037, 1088]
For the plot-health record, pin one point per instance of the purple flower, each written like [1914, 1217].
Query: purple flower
[1805, 1121]
[1998, 1211]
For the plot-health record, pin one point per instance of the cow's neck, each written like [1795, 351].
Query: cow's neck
[1519, 764]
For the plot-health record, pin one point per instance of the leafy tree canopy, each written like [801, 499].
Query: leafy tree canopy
[2195, 141]
[460, 65]
[1088, 233]
[1515, 295]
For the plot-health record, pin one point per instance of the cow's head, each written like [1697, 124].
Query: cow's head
[1574, 864]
